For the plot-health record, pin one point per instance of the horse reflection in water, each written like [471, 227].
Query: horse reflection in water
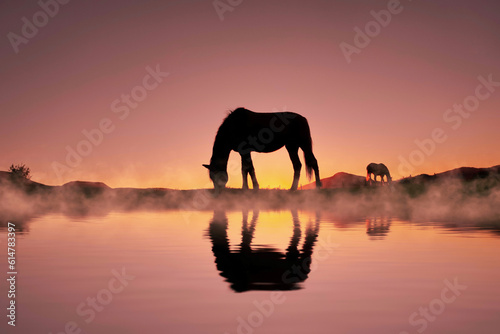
[264, 268]
[378, 227]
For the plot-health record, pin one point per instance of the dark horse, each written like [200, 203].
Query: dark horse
[377, 170]
[245, 131]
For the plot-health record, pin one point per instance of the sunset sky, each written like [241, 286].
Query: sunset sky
[73, 74]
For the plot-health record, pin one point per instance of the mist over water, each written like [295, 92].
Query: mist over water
[475, 202]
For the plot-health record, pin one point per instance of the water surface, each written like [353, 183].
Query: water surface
[253, 272]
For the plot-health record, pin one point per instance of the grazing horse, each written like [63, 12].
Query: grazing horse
[245, 131]
[376, 170]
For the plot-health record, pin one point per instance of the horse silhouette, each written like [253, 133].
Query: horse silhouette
[245, 131]
[377, 170]
[264, 268]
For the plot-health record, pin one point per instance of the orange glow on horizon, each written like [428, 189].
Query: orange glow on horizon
[142, 95]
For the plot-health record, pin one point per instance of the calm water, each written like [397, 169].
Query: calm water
[252, 272]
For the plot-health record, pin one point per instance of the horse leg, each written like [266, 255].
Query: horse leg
[244, 172]
[247, 168]
[247, 160]
[293, 152]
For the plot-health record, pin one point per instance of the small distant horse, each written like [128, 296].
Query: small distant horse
[377, 170]
[245, 131]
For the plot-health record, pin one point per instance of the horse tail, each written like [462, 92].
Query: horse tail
[309, 166]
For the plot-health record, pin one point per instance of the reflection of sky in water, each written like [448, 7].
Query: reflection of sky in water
[359, 282]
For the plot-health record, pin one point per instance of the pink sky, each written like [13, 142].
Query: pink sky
[265, 56]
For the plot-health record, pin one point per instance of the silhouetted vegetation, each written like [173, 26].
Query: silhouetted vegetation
[20, 172]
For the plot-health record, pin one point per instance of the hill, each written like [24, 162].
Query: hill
[6, 178]
[347, 180]
[339, 180]
[464, 173]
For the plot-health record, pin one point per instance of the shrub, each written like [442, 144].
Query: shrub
[20, 171]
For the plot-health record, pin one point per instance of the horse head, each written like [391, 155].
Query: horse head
[218, 176]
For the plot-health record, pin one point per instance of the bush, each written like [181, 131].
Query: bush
[20, 171]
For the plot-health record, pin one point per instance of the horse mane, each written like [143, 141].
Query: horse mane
[228, 120]
[226, 130]
[233, 113]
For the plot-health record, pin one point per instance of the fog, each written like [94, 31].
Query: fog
[448, 200]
